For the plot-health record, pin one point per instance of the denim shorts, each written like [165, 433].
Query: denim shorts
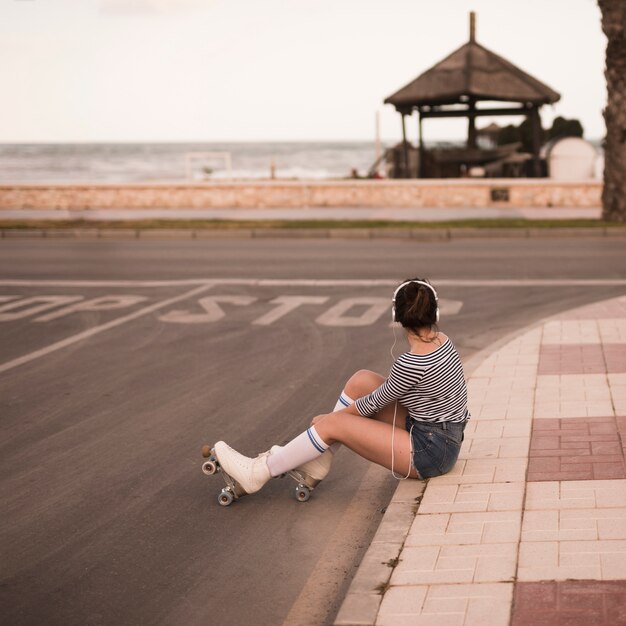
[436, 446]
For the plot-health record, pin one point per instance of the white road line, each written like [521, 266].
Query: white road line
[99, 329]
[101, 283]
[304, 282]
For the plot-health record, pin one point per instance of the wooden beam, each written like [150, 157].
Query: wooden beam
[477, 112]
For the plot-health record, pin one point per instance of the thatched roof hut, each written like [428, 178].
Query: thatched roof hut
[471, 74]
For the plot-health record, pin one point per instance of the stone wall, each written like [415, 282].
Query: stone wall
[452, 193]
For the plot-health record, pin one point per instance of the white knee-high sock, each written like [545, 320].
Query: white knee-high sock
[343, 402]
[304, 448]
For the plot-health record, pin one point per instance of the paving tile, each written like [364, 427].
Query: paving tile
[494, 448]
[542, 561]
[572, 395]
[569, 603]
[583, 448]
[560, 560]
[476, 471]
[571, 359]
[505, 410]
[575, 495]
[609, 309]
[465, 528]
[615, 357]
[498, 429]
[616, 380]
[574, 524]
[440, 605]
[570, 332]
[612, 330]
[467, 498]
[456, 564]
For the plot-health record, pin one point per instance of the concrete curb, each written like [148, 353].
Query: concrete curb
[365, 594]
[419, 234]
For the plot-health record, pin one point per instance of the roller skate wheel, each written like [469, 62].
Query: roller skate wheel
[209, 468]
[225, 498]
[303, 493]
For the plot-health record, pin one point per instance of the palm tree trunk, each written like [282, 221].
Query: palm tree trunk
[614, 193]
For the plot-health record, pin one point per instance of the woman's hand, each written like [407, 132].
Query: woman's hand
[317, 418]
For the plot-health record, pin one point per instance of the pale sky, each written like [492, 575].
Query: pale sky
[237, 70]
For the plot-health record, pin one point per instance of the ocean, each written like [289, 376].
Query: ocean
[151, 162]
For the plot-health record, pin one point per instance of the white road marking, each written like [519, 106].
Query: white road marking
[103, 303]
[213, 311]
[33, 305]
[286, 304]
[102, 283]
[336, 315]
[280, 282]
[101, 328]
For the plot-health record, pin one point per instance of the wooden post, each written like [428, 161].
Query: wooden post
[471, 124]
[472, 26]
[378, 147]
[405, 148]
[420, 152]
[536, 130]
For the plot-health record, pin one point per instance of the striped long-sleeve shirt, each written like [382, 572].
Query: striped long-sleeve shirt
[432, 387]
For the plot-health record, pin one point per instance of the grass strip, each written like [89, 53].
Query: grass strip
[297, 224]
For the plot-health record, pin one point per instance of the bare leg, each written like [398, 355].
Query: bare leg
[362, 383]
[370, 439]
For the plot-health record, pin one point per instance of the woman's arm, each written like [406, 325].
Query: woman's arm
[404, 375]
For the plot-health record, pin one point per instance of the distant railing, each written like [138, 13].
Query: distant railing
[190, 157]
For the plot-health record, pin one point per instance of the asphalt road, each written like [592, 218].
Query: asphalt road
[120, 359]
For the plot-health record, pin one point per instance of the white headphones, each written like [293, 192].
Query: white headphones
[404, 284]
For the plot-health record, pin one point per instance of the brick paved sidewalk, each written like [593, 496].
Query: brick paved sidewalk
[530, 526]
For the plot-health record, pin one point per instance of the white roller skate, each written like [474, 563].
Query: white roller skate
[310, 474]
[241, 474]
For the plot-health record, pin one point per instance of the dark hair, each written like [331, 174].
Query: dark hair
[416, 306]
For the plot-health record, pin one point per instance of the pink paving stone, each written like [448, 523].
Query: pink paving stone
[602, 447]
[604, 471]
[552, 452]
[579, 359]
[573, 428]
[569, 603]
[557, 454]
[534, 477]
[602, 429]
[543, 464]
[545, 443]
[588, 438]
[572, 445]
[583, 468]
[615, 356]
[546, 425]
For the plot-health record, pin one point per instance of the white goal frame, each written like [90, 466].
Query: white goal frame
[190, 157]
